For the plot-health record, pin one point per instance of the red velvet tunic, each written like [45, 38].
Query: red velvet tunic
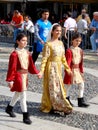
[69, 58]
[14, 73]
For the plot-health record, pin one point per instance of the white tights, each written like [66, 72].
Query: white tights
[81, 89]
[22, 96]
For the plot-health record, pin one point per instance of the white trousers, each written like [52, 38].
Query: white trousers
[80, 87]
[22, 96]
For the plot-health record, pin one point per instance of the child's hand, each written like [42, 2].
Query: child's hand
[40, 74]
[70, 73]
[10, 85]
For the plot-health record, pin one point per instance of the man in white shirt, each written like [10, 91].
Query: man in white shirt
[82, 28]
[70, 27]
[28, 26]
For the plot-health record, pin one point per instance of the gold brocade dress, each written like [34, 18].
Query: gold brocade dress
[54, 93]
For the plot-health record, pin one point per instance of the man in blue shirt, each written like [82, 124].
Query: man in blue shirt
[42, 28]
[94, 28]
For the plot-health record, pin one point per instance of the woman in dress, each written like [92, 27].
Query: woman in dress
[54, 93]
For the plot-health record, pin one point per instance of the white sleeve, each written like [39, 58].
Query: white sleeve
[28, 25]
[22, 27]
[85, 25]
[66, 24]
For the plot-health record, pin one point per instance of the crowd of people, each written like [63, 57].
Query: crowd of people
[45, 37]
[70, 24]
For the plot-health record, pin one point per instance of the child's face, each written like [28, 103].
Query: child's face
[22, 43]
[57, 32]
[26, 19]
[76, 42]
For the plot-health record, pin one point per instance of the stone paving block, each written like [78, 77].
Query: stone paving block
[8, 123]
[36, 97]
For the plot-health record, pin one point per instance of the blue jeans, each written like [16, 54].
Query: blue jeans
[96, 39]
[93, 43]
[16, 32]
[83, 43]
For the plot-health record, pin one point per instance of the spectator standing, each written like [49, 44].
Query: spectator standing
[70, 27]
[61, 22]
[82, 29]
[42, 28]
[28, 26]
[74, 13]
[17, 21]
[94, 28]
[83, 11]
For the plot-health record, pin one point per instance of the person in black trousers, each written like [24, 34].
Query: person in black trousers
[42, 28]
[28, 28]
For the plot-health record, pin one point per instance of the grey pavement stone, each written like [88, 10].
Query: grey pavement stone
[36, 97]
[9, 123]
[82, 118]
[93, 72]
[94, 100]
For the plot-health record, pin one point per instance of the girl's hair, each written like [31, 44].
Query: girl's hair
[76, 35]
[54, 27]
[18, 38]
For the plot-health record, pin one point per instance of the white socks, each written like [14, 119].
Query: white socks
[81, 90]
[80, 87]
[22, 96]
[68, 87]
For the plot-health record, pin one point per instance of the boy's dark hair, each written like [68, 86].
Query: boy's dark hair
[76, 35]
[16, 11]
[69, 14]
[19, 37]
[27, 17]
[44, 10]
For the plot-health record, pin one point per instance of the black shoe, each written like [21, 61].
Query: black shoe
[9, 110]
[51, 111]
[82, 103]
[68, 98]
[26, 118]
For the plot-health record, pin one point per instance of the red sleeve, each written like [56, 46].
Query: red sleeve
[68, 56]
[12, 67]
[32, 68]
[67, 77]
[81, 63]
[21, 18]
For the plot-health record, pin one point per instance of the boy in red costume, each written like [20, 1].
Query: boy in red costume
[74, 57]
[20, 63]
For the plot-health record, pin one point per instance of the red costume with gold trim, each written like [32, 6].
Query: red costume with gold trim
[20, 63]
[74, 57]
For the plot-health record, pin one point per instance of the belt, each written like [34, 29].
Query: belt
[75, 66]
[23, 71]
[56, 59]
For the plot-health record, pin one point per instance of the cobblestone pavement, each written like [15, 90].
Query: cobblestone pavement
[76, 119]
